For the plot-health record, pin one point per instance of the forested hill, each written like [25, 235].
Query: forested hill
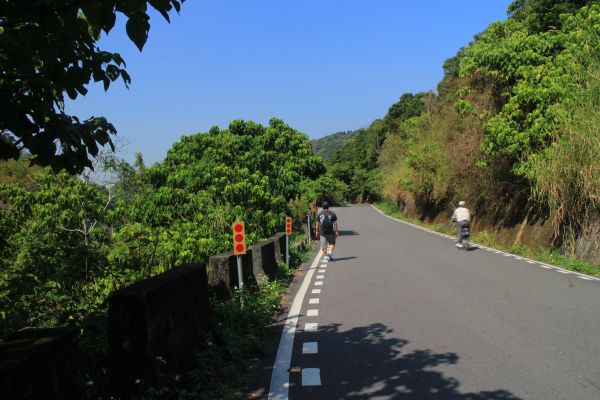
[324, 147]
[513, 128]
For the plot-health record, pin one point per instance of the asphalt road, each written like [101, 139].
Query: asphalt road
[403, 314]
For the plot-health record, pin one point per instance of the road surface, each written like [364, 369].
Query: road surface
[402, 314]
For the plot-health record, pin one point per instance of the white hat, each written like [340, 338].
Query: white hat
[461, 203]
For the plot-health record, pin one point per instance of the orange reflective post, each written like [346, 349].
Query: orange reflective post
[239, 247]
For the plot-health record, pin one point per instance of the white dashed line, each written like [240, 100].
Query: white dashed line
[313, 301]
[320, 276]
[310, 348]
[312, 313]
[319, 283]
[585, 278]
[311, 327]
[545, 266]
[280, 377]
[316, 291]
[311, 377]
[562, 272]
[531, 262]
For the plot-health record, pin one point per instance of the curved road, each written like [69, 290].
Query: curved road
[402, 314]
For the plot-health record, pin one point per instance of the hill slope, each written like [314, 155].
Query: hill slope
[325, 147]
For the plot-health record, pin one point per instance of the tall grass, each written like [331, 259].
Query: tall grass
[568, 173]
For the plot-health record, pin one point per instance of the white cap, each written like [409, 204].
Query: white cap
[461, 203]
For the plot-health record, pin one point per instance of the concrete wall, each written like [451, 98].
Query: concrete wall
[223, 274]
[41, 364]
[164, 316]
[279, 242]
[264, 263]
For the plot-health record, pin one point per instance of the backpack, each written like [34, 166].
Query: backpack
[327, 225]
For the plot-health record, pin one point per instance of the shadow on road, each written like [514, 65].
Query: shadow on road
[368, 363]
[349, 233]
[343, 258]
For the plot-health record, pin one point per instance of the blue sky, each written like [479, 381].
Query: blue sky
[321, 66]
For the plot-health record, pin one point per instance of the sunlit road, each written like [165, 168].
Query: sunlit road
[403, 314]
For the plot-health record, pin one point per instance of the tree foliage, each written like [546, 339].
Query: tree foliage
[531, 76]
[66, 244]
[48, 48]
[355, 163]
[327, 145]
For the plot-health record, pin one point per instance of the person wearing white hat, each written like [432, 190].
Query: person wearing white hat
[462, 217]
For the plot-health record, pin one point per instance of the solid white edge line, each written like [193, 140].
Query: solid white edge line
[591, 278]
[280, 377]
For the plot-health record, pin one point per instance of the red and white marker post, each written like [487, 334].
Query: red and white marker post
[288, 232]
[239, 247]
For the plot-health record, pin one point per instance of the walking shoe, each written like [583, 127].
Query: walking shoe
[459, 245]
[326, 258]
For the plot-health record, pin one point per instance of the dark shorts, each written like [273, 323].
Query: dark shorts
[327, 239]
[330, 238]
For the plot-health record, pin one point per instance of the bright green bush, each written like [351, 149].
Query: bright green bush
[53, 261]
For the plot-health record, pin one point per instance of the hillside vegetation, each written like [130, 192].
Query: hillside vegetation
[324, 147]
[513, 129]
[67, 244]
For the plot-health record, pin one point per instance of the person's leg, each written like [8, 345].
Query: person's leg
[323, 242]
[331, 241]
[458, 236]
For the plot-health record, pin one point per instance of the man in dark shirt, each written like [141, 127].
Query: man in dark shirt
[327, 230]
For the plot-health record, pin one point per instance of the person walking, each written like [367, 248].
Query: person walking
[462, 217]
[326, 230]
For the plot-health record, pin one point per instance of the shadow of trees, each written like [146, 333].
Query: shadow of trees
[369, 363]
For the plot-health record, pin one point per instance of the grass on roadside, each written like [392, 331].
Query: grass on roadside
[488, 239]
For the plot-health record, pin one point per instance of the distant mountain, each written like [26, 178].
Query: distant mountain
[327, 145]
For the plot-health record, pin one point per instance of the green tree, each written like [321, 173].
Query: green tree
[186, 204]
[544, 15]
[49, 48]
[530, 73]
[53, 261]
[355, 163]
